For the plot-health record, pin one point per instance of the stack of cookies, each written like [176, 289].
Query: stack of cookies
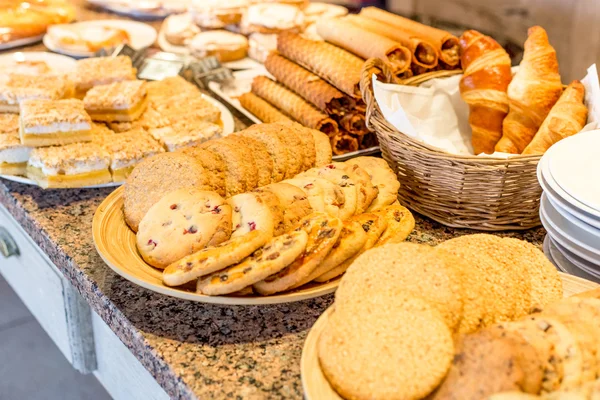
[308, 227]
[399, 308]
[54, 129]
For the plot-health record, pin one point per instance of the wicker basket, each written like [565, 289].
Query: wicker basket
[490, 194]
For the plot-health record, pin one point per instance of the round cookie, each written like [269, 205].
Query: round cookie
[382, 176]
[293, 147]
[214, 166]
[326, 196]
[308, 145]
[293, 200]
[370, 190]
[392, 346]
[400, 224]
[405, 267]
[262, 158]
[255, 211]
[323, 152]
[151, 179]
[323, 232]
[209, 260]
[240, 173]
[277, 254]
[345, 183]
[181, 223]
[275, 147]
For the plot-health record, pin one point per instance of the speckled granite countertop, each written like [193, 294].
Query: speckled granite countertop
[192, 349]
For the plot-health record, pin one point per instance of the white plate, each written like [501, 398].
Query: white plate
[578, 262]
[560, 192]
[563, 264]
[27, 181]
[563, 205]
[57, 63]
[579, 231]
[20, 42]
[575, 167]
[572, 220]
[141, 36]
[243, 64]
[558, 235]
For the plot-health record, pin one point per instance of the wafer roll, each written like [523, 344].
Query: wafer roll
[261, 109]
[337, 66]
[424, 53]
[446, 44]
[308, 85]
[293, 105]
[343, 142]
[354, 123]
[365, 43]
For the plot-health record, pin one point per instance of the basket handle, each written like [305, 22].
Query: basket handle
[384, 72]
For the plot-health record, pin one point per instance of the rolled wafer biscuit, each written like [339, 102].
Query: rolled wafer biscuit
[343, 143]
[446, 44]
[424, 54]
[337, 66]
[262, 109]
[293, 105]
[354, 123]
[365, 43]
[308, 85]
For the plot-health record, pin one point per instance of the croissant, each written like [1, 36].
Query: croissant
[531, 94]
[483, 87]
[567, 117]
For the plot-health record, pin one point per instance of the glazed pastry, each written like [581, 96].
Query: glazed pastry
[272, 18]
[217, 14]
[179, 29]
[531, 94]
[260, 45]
[483, 87]
[87, 37]
[566, 118]
[316, 11]
[224, 45]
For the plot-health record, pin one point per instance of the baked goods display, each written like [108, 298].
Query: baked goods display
[54, 127]
[507, 112]
[402, 311]
[224, 45]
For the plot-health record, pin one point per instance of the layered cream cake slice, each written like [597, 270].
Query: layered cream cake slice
[187, 103]
[54, 122]
[170, 86]
[96, 71]
[15, 88]
[70, 166]
[127, 149]
[118, 101]
[13, 155]
[186, 133]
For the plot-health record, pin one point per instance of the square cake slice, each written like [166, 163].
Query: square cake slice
[185, 134]
[127, 149]
[187, 103]
[95, 71]
[15, 88]
[70, 166]
[118, 101]
[54, 122]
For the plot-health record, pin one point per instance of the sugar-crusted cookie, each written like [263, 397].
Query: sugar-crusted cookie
[270, 259]
[343, 180]
[322, 148]
[373, 225]
[181, 223]
[364, 179]
[323, 232]
[255, 211]
[257, 150]
[275, 146]
[214, 166]
[355, 353]
[323, 196]
[382, 176]
[209, 260]
[400, 224]
[153, 178]
[293, 200]
[240, 173]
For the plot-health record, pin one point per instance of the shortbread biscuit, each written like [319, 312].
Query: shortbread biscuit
[371, 191]
[400, 224]
[240, 174]
[212, 259]
[293, 200]
[351, 241]
[385, 346]
[343, 180]
[255, 211]
[275, 146]
[382, 176]
[277, 254]
[153, 178]
[181, 223]
[323, 232]
[257, 150]
[323, 196]
[323, 151]
[214, 166]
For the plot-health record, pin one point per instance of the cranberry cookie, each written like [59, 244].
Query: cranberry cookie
[254, 211]
[400, 223]
[382, 177]
[323, 196]
[293, 200]
[341, 178]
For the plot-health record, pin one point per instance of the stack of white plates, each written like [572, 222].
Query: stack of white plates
[569, 173]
